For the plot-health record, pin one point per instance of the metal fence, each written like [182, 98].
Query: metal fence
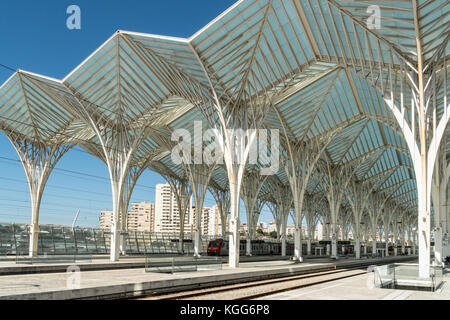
[60, 240]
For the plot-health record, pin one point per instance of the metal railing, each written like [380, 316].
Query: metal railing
[182, 264]
[63, 240]
[405, 275]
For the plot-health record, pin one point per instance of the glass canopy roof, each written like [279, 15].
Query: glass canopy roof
[318, 53]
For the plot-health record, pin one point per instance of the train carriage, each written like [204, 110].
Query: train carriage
[220, 247]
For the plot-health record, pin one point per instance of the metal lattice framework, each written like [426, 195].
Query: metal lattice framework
[369, 100]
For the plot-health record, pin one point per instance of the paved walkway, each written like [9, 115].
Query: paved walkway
[91, 284]
[360, 288]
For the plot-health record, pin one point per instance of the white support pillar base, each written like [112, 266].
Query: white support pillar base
[308, 248]
[197, 244]
[334, 254]
[297, 246]
[248, 250]
[283, 245]
[123, 244]
[438, 254]
[33, 245]
[358, 249]
[115, 244]
[234, 243]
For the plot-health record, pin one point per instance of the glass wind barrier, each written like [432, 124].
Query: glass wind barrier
[406, 276]
[384, 276]
[63, 240]
[24, 258]
[182, 264]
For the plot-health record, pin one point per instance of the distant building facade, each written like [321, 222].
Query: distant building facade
[163, 216]
[141, 217]
[106, 218]
[167, 218]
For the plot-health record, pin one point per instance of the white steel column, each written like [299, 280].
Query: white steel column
[116, 148]
[183, 194]
[199, 176]
[439, 190]
[314, 205]
[222, 198]
[282, 195]
[251, 187]
[38, 161]
[375, 208]
[335, 187]
[299, 167]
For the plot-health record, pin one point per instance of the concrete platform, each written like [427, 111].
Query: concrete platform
[101, 263]
[360, 288]
[107, 284]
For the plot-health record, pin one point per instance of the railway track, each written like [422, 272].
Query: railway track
[260, 288]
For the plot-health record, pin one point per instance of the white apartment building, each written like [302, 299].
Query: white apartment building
[106, 218]
[167, 218]
[141, 217]
[210, 224]
[319, 233]
[215, 223]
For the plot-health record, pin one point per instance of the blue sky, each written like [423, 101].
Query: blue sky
[35, 38]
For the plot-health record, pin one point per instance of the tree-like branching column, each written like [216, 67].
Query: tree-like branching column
[387, 217]
[199, 176]
[251, 187]
[365, 230]
[416, 94]
[412, 232]
[402, 216]
[335, 180]
[375, 207]
[259, 205]
[314, 206]
[38, 160]
[326, 219]
[345, 219]
[412, 81]
[439, 198]
[120, 111]
[222, 198]
[282, 195]
[358, 195]
[237, 114]
[137, 166]
[299, 167]
[276, 214]
[118, 146]
[183, 193]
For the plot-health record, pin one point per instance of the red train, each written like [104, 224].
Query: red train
[220, 247]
